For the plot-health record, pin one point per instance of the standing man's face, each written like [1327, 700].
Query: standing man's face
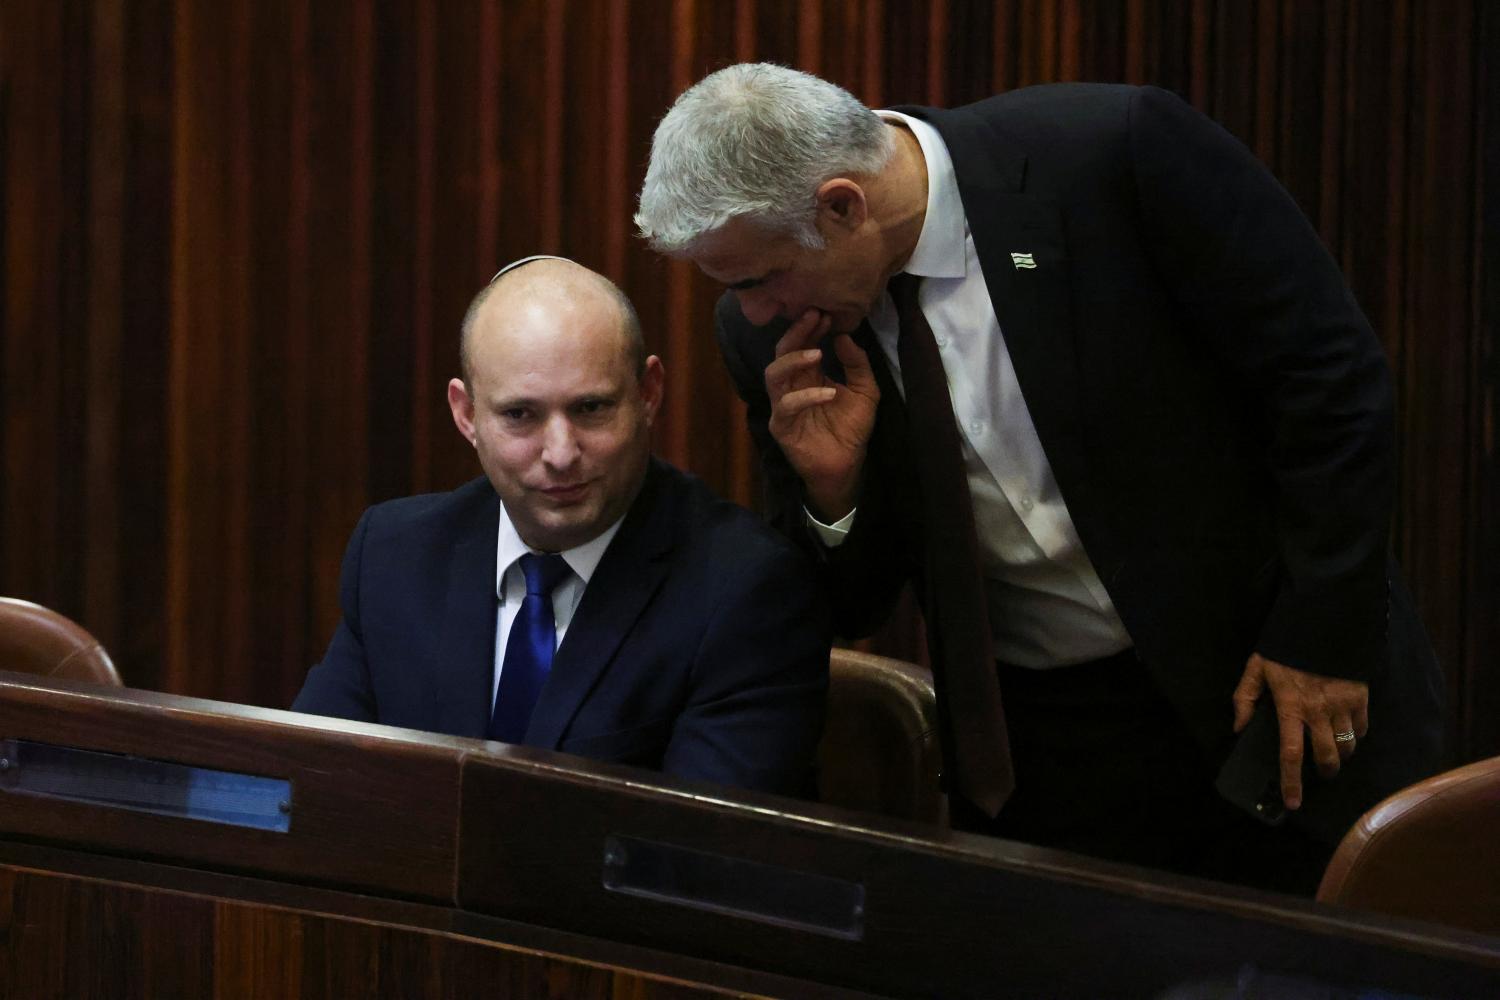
[774, 276]
[557, 414]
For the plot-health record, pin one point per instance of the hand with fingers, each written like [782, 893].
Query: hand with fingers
[822, 426]
[1332, 713]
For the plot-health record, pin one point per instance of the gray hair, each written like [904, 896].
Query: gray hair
[754, 140]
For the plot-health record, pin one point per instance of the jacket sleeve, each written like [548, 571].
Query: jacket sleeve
[1254, 281]
[759, 681]
[339, 686]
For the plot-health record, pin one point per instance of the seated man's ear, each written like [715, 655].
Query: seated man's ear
[462, 408]
[652, 382]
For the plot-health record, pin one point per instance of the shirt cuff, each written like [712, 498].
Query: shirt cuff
[831, 535]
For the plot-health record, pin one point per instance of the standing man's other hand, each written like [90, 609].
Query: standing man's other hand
[1334, 714]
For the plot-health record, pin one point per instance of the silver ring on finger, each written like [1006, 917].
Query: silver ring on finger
[1347, 736]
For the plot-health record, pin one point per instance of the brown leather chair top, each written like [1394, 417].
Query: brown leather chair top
[879, 751]
[37, 640]
[1431, 851]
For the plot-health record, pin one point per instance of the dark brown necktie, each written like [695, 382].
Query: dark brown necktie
[958, 627]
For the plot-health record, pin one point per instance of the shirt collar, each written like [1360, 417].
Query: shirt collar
[582, 559]
[939, 252]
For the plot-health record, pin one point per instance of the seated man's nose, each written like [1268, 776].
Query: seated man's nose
[560, 446]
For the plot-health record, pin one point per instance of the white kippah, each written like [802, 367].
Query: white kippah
[525, 260]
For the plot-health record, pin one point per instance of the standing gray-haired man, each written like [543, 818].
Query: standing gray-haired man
[1097, 391]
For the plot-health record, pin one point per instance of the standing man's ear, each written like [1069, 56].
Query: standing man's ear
[462, 408]
[842, 204]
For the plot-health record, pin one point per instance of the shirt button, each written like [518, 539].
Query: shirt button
[1026, 503]
[942, 342]
[976, 427]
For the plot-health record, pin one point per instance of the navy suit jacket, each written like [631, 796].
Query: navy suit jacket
[1216, 410]
[700, 647]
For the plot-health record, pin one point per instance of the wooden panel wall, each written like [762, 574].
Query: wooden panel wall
[238, 238]
[67, 936]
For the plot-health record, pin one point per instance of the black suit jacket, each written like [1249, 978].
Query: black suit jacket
[700, 647]
[1215, 407]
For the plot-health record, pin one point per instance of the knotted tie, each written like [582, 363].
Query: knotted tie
[528, 651]
[958, 634]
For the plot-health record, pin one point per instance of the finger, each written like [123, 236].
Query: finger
[1291, 761]
[858, 375]
[1247, 692]
[1325, 749]
[1344, 736]
[804, 332]
[793, 403]
[796, 370]
[850, 355]
[1359, 709]
[853, 357]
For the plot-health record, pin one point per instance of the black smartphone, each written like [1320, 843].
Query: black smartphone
[1251, 775]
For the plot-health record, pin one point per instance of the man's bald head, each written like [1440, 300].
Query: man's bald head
[557, 400]
[555, 281]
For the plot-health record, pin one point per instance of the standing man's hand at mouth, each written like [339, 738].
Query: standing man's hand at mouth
[823, 427]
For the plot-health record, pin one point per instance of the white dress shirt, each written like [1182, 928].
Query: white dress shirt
[510, 585]
[1047, 605]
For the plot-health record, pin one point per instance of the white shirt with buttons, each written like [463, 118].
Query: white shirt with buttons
[1047, 605]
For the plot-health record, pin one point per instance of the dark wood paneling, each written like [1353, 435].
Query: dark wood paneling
[67, 936]
[1479, 691]
[238, 238]
[45, 940]
[135, 630]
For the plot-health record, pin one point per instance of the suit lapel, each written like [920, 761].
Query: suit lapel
[1030, 302]
[622, 586]
[463, 665]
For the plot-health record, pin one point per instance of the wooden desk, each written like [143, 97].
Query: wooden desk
[421, 866]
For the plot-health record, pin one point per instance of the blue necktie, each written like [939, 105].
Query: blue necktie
[528, 651]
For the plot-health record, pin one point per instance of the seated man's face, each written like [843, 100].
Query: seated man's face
[561, 421]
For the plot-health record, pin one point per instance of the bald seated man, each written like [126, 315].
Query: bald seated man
[581, 596]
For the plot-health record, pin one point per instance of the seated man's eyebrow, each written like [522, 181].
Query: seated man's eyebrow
[512, 403]
[747, 283]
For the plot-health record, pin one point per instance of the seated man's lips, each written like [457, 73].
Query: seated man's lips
[570, 491]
